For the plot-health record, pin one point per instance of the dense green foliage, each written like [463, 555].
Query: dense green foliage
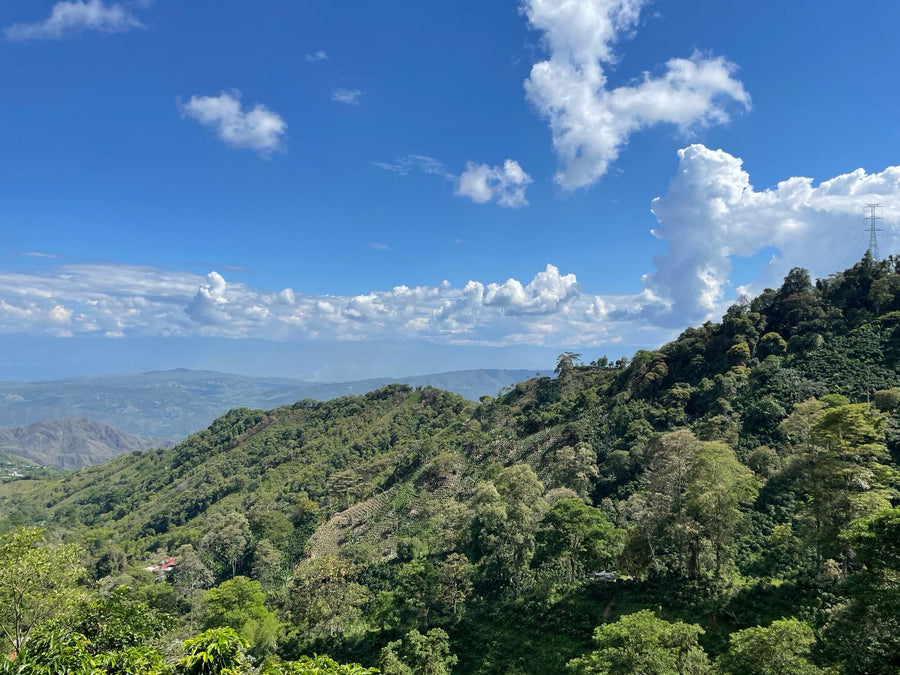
[642, 643]
[726, 503]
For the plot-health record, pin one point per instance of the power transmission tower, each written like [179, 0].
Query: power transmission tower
[872, 229]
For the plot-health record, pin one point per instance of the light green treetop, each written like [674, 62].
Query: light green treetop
[37, 582]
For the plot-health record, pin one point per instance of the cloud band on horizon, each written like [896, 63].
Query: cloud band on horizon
[710, 214]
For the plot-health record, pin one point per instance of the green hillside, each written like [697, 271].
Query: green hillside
[740, 482]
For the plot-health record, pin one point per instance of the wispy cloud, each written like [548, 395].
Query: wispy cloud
[316, 56]
[590, 122]
[481, 183]
[348, 96]
[257, 128]
[378, 246]
[414, 163]
[75, 16]
[38, 254]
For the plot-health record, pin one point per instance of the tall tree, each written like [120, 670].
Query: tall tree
[799, 424]
[579, 534]
[324, 596]
[226, 538]
[190, 577]
[845, 475]
[566, 364]
[719, 485]
[37, 581]
[417, 588]
[575, 468]
[239, 603]
[232, 603]
[507, 513]
[268, 566]
[863, 632]
[455, 581]
[663, 524]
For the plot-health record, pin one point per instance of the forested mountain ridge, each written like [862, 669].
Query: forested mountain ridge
[333, 453]
[740, 481]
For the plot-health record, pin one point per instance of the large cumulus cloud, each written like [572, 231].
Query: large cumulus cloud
[712, 213]
[592, 122]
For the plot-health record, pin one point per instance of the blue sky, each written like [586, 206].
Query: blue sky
[410, 187]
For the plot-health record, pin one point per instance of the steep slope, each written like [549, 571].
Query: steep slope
[293, 466]
[71, 443]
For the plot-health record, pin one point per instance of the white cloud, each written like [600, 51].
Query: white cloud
[482, 183]
[60, 314]
[712, 213]
[349, 96]
[287, 296]
[317, 56]
[209, 304]
[97, 298]
[378, 246]
[119, 300]
[591, 123]
[543, 295]
[479, 182]
[257, 128]
[75, 16]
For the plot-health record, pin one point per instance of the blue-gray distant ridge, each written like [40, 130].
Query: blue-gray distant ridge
[170, 404]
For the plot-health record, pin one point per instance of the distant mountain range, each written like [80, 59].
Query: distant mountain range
[70, 443]
[171, 404]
